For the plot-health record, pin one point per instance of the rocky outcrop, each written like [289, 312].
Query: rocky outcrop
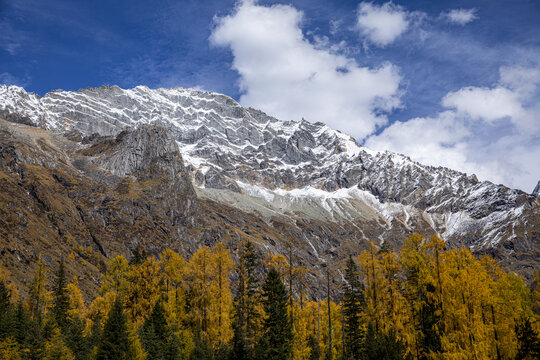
[536, 191]
[151, 156]
[62, 198]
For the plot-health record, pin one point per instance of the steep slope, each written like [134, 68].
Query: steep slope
[92, 201]
[299, 171]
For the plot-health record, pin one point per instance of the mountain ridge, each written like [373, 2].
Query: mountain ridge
[243, 158]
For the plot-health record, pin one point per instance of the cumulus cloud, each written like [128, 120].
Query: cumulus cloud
[493, 132]
[488, 104]
[286, 75]
[383, 24]
[460, 16]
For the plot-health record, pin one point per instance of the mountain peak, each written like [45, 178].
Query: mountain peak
[536, 191]
[296, 170]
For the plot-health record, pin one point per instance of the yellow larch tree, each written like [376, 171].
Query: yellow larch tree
[56, 349]
[392, 303]
[10, 349]
[304, 331]
[336, 330]
[115, 277]
[277, 262]
[39, 297]
[76, 302]
[372, 270]
[198, 281]
[145, 286]
[174, 268]
[220, 301]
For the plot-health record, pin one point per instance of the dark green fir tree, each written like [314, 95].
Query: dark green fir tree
[202, 349]
[528, 341]
[114, 342]
[6, 312]
[246, 298]
[61, 297]
[353, 301]
[382, 346]
[75, 339]
[157, 338]
[276, 342]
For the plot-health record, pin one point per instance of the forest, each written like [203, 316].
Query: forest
[425, 301]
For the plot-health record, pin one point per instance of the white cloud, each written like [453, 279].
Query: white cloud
[460, 16]
[492, 132]
[432, 141]
[284, 74]
[383, 24]
[520, 79]
[488, 104]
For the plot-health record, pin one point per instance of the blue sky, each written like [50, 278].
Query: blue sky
[451, 83]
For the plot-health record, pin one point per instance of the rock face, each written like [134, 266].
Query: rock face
[81, 201]
[318, 186]
[151, 156]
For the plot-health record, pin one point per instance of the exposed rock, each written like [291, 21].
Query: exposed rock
[536, 191]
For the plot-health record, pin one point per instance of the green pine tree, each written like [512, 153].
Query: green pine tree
[157, 338]
[6, 312]
[353, 300]
[61, 297]
[246, 297]
[114, 342]
[382, 346]
[34, 338]
[22, 323]
[276, 342]
[94, 337]
[139, 256]
[202, 349]
[528, 341]
[75, 339]
[430, 339]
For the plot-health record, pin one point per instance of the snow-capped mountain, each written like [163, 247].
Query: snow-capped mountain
[295, 171]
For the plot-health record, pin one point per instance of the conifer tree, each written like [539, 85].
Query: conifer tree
[157, 337]
[378, 346]
[6, 311]
[202, 349]
[94, 337]
[56, 349]
[528, 341]
[135, 348]
[275, 343]
[114, 342]
[139, 256]
[421, 294]
[75, 339]
[353, 300]
[34, 338]
[38, 295]
[246, 298]
[143, 288]
[21, 323]
[61, 297]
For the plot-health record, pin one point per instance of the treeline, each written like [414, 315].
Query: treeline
[427, 302]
